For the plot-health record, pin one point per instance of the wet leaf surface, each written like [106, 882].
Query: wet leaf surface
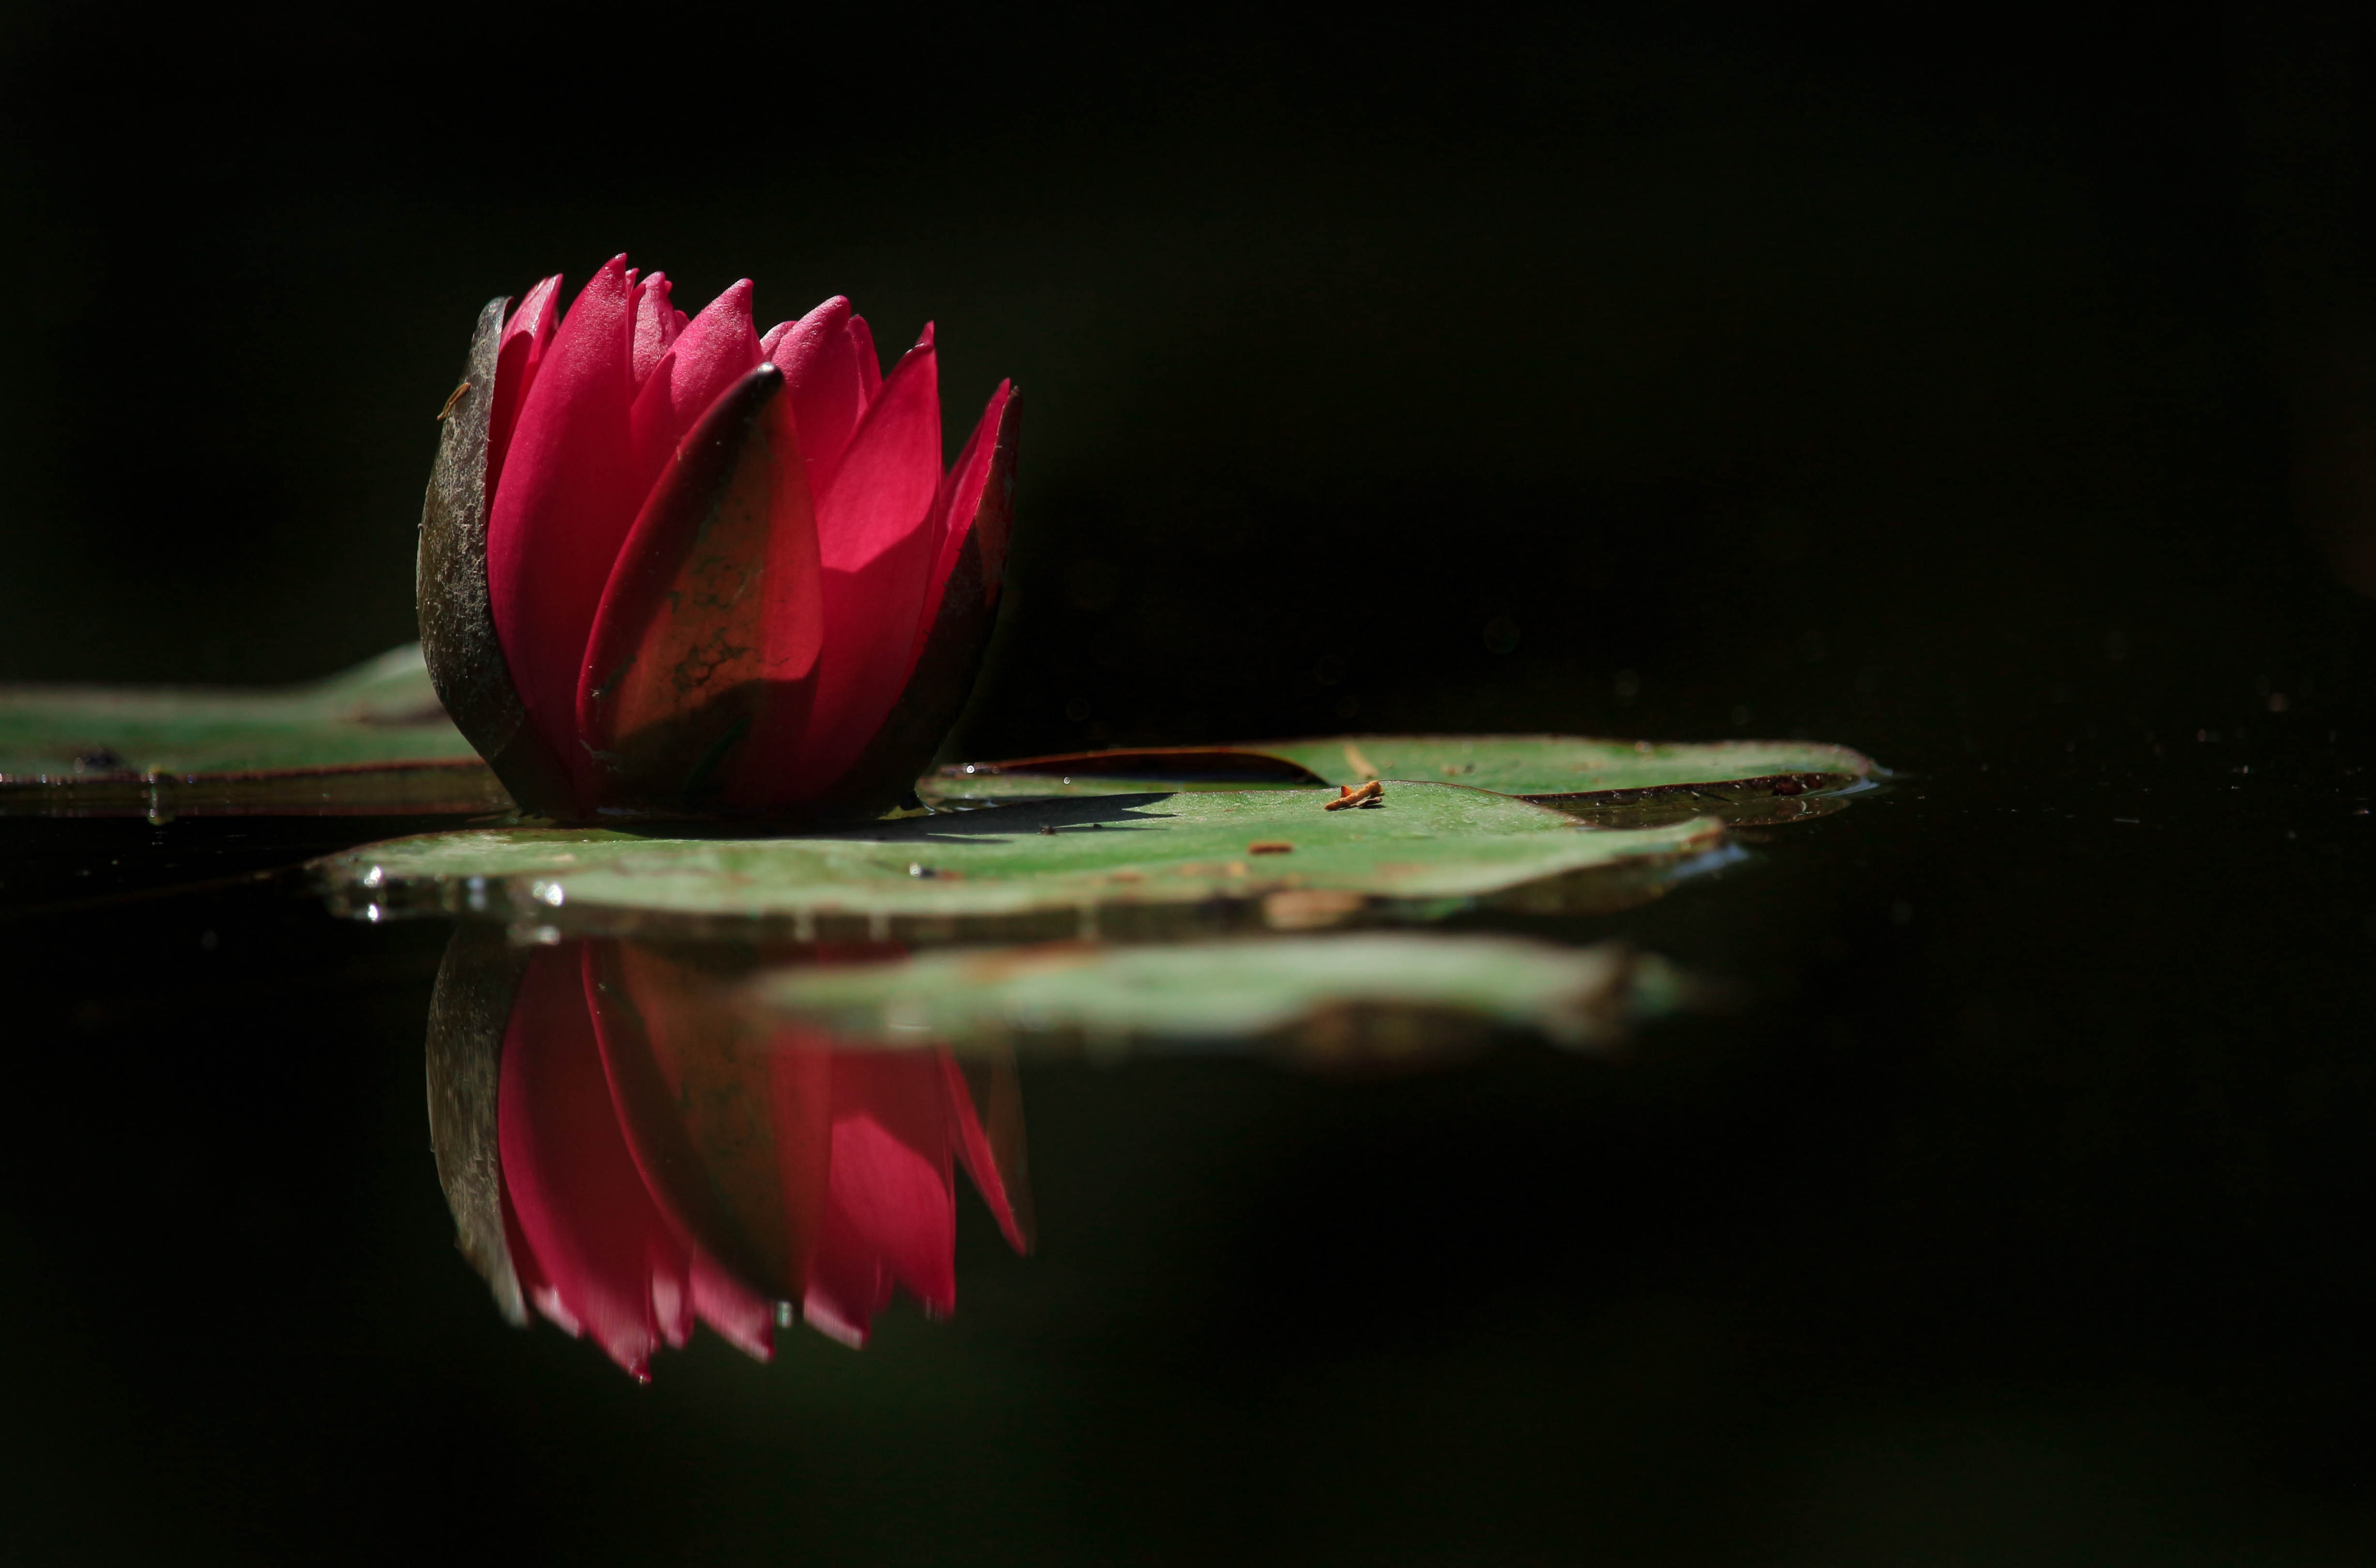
[373, 739]
[1117, 864]
[1576, 773]
[1350, 1000]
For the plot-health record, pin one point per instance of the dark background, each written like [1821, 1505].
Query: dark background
[1383, 372]
[1996, 403]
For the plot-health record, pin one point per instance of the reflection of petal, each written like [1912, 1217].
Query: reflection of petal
[733, 1311]
[799, 1108]
[692, 1098]
[991, 1143]
[467, 1020]
[624, 1153]
[867, 1140]
[890, 1204]
[596, 1253]
[593, 1247]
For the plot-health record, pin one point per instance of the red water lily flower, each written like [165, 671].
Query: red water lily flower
[657, 1166]
[672, 565]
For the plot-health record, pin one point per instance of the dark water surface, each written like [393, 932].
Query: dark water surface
[2013, 1212]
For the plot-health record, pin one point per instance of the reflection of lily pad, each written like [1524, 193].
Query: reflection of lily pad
[1572, 772]
[1357, 997]
[373, 739]
[1119, 863]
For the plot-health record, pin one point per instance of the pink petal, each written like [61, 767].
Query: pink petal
[869, 359]
[564, 508]
[604, 1257]
[764, 773]
[882, 492]
[710, 628]
[716, 350]
[658, 321]
[522, 349]
[875, 539]
[959, 507]
[825, 366]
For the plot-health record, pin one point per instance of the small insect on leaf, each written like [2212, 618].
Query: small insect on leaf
[451, 399]
[1370, 794]
[1270, 847]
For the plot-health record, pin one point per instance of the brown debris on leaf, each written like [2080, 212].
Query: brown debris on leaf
[1368, 796]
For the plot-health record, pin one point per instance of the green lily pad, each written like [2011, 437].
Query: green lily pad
[1607, 779]
[373, 739]
[1115, 865]
[1357, 998]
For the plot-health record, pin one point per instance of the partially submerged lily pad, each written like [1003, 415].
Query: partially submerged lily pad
[375, 739]
[1116, 864]
[1358, 998]
[1604, 778]
[371, 739]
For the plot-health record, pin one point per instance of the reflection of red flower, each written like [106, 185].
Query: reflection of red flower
[870, 1135]
[659, 1166]
[595, 1252]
